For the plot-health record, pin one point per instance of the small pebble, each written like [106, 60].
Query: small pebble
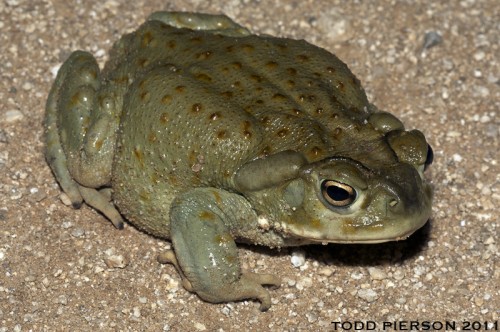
[77, 232]
[100, 53]
[304, 283]
[298, 258]
[431, 39]
[399, 275]
[66, 224]
[326, 271]
[311, 317]
[489, 240]
[98, 269]
[115, 261]
[478, 301]
[4, 138]
[376, 273]
[480, 55]
[226, 311]
[62, 299]
[12, 3]
[13, 115]
[172, 285]
[480, 91]
[457, 158]
[27, 86]
[369, 295]
[200, 326]
[484, 119]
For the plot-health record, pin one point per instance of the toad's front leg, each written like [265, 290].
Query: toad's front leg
[205, 252]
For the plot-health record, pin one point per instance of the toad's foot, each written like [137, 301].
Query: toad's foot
[248, 286]
[100, 200]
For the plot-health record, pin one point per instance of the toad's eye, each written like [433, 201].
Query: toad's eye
[429, 158]
[337, 193]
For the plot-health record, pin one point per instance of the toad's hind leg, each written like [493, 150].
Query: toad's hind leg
[220, 24]
[80, 129]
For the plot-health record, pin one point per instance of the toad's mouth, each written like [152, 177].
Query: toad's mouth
[350, 231]
[373, 240]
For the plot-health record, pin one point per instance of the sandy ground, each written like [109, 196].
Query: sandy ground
[64, 269]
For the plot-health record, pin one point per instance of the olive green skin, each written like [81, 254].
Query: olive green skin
[200, 132]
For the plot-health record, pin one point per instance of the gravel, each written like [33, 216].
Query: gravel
[66, 269]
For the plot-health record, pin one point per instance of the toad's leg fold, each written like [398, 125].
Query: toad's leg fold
[81, 122]
[205, 251]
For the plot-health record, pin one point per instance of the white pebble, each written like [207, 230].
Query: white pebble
[27, 86]
[200, 327]
[492, 78]
[67, 224]
[304, 283]
[116, 261]
[485, 119]
[326, 271]
[489, 240]
[369, 295]
[98, 269]
[100, 53]
[12, 3]
[376, 273]
[13, 115]
[480, 91]
[298, 258]
[62, 299]
[77, 232]
[457, 158]
[399, 275]
[445, 94]
[480, 55]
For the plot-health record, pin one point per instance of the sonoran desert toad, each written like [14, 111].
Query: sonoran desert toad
[200, 132]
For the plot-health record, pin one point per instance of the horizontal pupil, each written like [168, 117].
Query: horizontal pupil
[337, 193]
